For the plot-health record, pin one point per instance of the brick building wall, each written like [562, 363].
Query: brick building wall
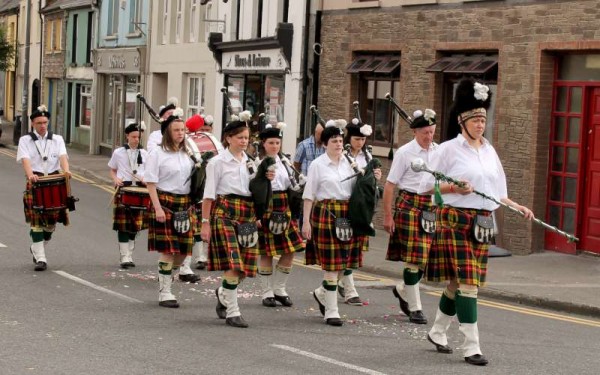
[526, 36]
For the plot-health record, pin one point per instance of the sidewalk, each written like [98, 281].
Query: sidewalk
[569, 283]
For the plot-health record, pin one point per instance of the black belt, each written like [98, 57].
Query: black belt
[236, 196]
[137, 183]
[279, 191]
[40, 174]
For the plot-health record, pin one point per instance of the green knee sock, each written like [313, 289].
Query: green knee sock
[466, 308]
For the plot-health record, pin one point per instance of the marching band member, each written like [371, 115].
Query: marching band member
[325, 218]
[356, 137]
[42, 153]
[170, 223]
[279, 234]
[127, 169]
[165, 111]
[228, 220]
[410, 240]
[457, 254]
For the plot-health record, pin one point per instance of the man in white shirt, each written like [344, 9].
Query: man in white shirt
[42, 153]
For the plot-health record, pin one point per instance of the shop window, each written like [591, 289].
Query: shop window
[195, 101]
[274, 99]
[83, 106]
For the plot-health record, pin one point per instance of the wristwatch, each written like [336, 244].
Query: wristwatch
[204, 221]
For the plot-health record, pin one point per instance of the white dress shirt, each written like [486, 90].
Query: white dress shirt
[154, 139]
[125, 162]
[481, 168]
[401, 174]
[52, 149]
[324, 179]
[227, 175]
[170, 171]
[282, 178]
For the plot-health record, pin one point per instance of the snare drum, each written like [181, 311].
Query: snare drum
[206, 142]
[136, 197]
[50, 193]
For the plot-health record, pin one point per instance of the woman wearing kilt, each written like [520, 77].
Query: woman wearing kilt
[127, 169]
[410, 231]
[325, 204]
[170, 222]
[229, 221]
[286, 240]
[356, 137]
[457, 254]
[42, 153]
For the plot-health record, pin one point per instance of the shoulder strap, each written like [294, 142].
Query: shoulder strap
[33, 136]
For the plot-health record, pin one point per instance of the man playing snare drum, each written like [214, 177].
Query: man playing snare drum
[127, 172]
[42, 153]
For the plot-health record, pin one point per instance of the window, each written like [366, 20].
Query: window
[84, 105]
[74, 38]
[113, 18]
[56, 40]
[135, 16]
[464, 64]
[207, 16]
[259, 17]
[179, 21]
[53, 36]
[195, 101]
[194, 21]
[88, 47]
[165, 21]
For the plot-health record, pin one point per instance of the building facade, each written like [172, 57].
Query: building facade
[119, 62]
[9, 20]
[542, 62]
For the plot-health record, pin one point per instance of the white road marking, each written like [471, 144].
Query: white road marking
[97, 287]
[2, 245]
[327, 359]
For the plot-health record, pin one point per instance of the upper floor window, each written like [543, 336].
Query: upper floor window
[113, 18]
[208, 16]
[53, 35]
[195, 100]
[165, 21]
[179, 21]
[194, 21]
[135, 16]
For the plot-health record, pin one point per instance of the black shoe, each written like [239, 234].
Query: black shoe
[40, 266]
[125, 265]
[321, 306]
[337, 322]
[200, 265]
[269, 302]
[237, 321]
[417, 317]
[403, 303]
[477, 360]
[341, 291]
[173, 304]
[128, 264]
[221, 309]
[191, 278]
[284, 300]
[440, 348]
[354, 301]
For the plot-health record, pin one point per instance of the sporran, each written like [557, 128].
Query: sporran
[247, 234]
[343, 229]
[181, 222]
[428, 221]
[278, 222]
[483, 229]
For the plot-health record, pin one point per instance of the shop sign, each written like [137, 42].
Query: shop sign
[119, 60]
[264, 60]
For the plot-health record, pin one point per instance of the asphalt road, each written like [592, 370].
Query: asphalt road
[86, 316]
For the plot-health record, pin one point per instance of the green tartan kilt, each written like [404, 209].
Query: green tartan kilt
[127, 219]
[224, 252]
[454, 252]
[198, 215]
[409, 242]
[325, 248]
[41, 218]
[287, 242]
[162, 237]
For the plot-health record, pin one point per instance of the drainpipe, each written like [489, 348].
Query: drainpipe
[307, 30]
[16, 132]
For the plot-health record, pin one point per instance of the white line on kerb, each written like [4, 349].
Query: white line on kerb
[326, 359]
[97, 287]
[2, 245]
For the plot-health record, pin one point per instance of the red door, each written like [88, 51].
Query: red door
[590, 234]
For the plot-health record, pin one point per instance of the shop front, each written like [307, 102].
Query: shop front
[119, 74]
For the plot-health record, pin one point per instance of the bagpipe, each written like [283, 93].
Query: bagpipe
[419, 165]
[199, 157]
[402, 113]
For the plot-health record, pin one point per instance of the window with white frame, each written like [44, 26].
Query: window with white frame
[195, 95]
[135, 15]
[165, 21]
[113, 18]
[179, 21]
[194, 21]
[207, 16]
[85, 105]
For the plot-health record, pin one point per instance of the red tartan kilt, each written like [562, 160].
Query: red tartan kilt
[409, 242]
[41, 218]
[127, 219]
[325, 248]
[162, 237]
[454, 253]
[287, 242]
[224, 252]
[198, 214]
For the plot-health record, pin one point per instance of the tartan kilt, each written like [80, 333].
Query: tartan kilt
[454, 252]
[198, 214]
[287, 242]
[409, 242]
[162, 237]
[224, 252]
[41, 218]
[127, 219]
[326, 249]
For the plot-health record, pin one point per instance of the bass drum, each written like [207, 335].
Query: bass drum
[206, 142]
